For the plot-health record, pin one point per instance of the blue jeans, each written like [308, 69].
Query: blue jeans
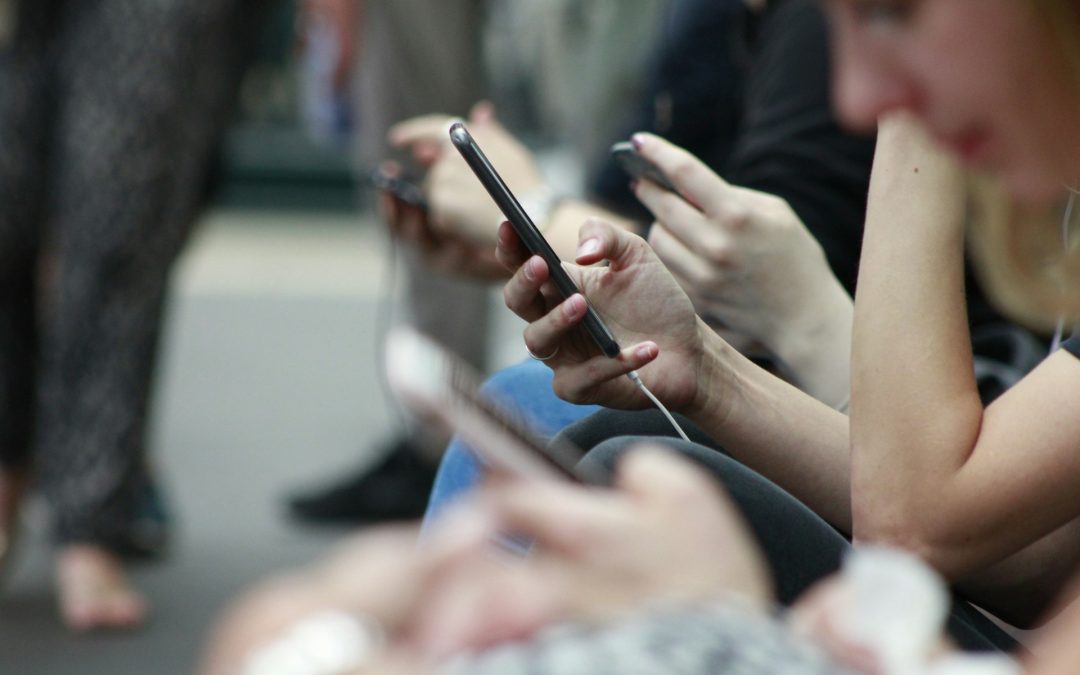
[525, 387]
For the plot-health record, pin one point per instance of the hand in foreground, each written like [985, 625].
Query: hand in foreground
[637, 298]
[742, 256]
[666, 534]
[460, 207]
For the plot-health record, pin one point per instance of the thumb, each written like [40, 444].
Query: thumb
[482, 112]
[600, 240]
[663, 476]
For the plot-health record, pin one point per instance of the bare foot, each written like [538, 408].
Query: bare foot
[94, 591]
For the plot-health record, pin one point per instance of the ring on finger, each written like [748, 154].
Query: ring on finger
[548, 358]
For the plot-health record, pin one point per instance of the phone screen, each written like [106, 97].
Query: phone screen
[527, 231]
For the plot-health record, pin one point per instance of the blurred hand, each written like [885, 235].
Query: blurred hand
[460, 207]
[819, 615]
[666, 534]
[375, 574]
[441, 251]
[637, 298]
[741, 255]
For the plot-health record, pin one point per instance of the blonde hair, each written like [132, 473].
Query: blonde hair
[1028, 257]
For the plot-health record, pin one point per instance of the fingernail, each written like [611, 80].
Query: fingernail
[633, 185]
[588, 247]
[637, 140]
[530, 269]
[574, 307]
[647, 351]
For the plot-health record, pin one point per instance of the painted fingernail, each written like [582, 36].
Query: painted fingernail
[647, 351]
[588, 247]
[638, 140]
[574, 307]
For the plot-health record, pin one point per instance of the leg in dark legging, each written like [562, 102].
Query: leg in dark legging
[800, 546]
[142, 91]
[25, 116]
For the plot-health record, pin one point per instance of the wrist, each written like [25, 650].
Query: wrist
[540, 203]
[814, 347]
[713, 377]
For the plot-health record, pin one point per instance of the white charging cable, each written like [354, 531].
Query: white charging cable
[1059, 332]
[636, 379]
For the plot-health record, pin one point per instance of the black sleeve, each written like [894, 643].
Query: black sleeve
[692, 99]
[791, 144]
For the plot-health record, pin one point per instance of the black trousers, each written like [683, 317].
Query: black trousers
[109, 113]
[800, 546]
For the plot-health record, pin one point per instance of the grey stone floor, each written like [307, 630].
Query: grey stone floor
[267, 383]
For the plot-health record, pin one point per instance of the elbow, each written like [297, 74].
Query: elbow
[908, 529]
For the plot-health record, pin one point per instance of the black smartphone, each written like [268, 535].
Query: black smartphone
[637, 166]
[401, 187]
[441, 388]
[528, 232]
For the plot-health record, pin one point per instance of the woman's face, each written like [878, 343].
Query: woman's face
[984, 76]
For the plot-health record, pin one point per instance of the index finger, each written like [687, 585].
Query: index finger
[425, 128]
[692, 177]
[509, 250]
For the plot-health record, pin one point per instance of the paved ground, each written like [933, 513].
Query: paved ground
[268, 383]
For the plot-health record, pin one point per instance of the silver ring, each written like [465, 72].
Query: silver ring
[542, 358]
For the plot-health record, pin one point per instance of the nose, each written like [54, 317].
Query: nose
[865, 87]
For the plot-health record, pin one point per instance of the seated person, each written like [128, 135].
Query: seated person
[665, 536]
[694, 600]
[764, 121]
[767, 283]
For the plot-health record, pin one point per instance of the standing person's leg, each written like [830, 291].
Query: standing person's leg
[142, 95]
[416, 57]
[24, 120]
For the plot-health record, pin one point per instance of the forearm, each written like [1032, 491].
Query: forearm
[915, 409]
[776, 429]
[815, 349]
[1022, 588]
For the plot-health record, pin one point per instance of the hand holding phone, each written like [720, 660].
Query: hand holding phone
[402, 188]
[638, 167]
[527, 231]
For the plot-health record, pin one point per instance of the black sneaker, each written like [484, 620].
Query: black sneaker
[396, 488]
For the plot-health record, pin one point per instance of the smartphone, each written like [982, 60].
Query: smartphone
[637, 166]
[441, 389]
[528, 232]
[401, 187]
